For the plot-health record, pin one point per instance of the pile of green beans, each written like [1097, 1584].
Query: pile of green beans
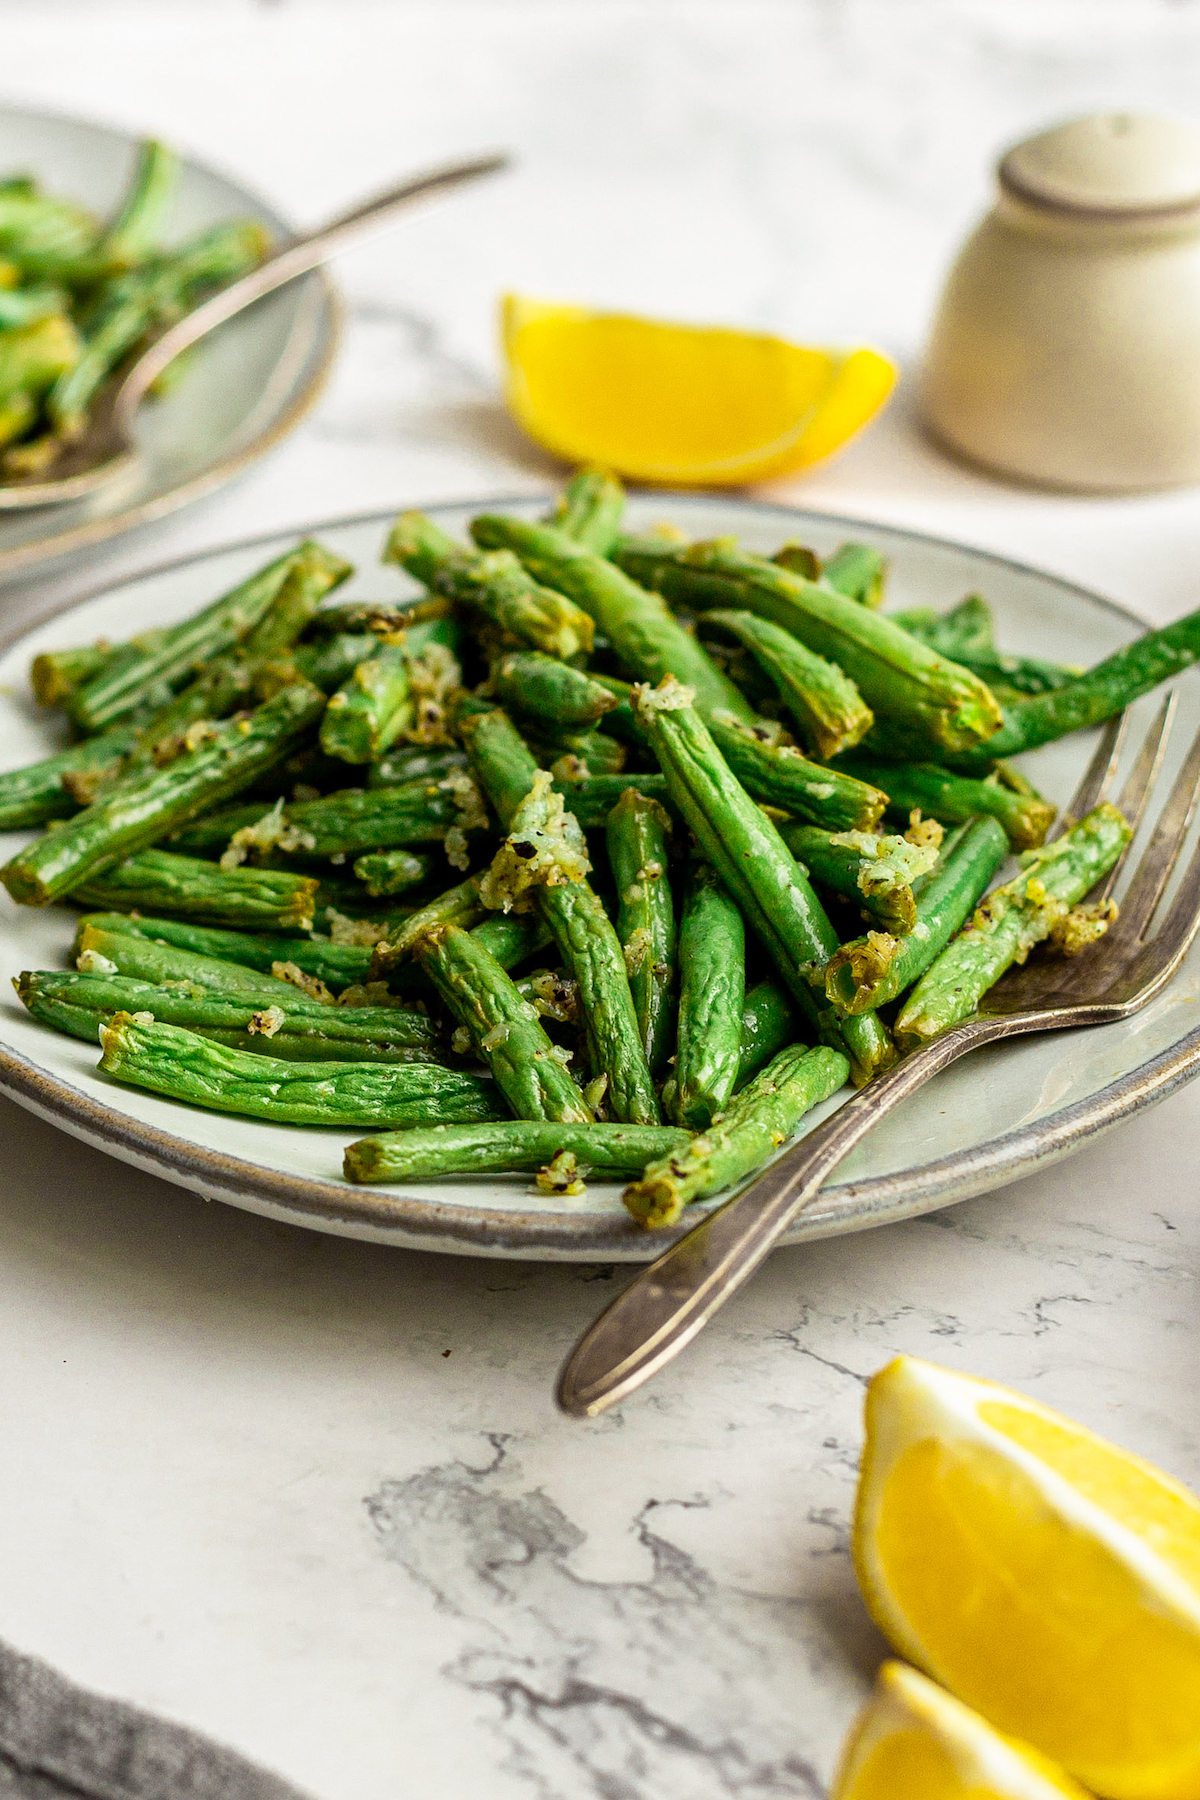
[80, 295]
[598, 855]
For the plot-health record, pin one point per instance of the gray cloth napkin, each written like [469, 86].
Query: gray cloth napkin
[62, 1742]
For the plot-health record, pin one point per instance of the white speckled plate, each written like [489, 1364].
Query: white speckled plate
[247, 387]
[994, 1116]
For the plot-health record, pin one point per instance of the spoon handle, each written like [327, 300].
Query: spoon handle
[294, 259]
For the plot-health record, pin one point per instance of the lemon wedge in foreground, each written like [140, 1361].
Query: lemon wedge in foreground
[682, 404]
[912, 1741]
[1045, 1577]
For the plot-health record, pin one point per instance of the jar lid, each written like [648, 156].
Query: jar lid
[1111, 163]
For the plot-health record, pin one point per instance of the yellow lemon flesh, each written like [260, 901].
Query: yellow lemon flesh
[682, 404]
[913, 1741]
[1045, 1577]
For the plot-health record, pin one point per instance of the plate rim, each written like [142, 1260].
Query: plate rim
[422, 1222]
[312, 378]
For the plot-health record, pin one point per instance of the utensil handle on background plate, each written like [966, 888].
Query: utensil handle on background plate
[667, 1303]
[296, 258]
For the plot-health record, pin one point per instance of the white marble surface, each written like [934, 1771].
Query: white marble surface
[312, 1496]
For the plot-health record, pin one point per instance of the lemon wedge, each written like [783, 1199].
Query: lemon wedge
[913, 1741]
[682, 404]
[1047, 1578]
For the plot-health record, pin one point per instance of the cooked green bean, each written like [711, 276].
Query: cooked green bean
[55, 674]
[779, 775]
[769, 1024]
[160, 882]
[370, 709]
[641, 628]
[496, 585]
[337, 965]
[574, 914]
[871, 970]
[954, 798]
[101, 950]
[392, 871]
[527, 1067]
[605, 1150]
[137, 669]
[824, 703]
[636, 835]
[712, 993]
[184, 1066]
[756, 865]
[550, 691]
[593, 797]
[877, 873]
[755, 1124]
[590, 509]
[31, 795]
[79, 1004]
[855, 570]
[331, 661]
[146, 805]
[901, 679]
[965, 630]
[1037, 904]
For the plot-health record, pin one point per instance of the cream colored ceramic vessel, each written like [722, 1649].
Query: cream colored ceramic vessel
[1066, 350]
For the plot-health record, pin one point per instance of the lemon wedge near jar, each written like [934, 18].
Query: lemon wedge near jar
[913, 1741]
[682, 405]
[1046, 1578]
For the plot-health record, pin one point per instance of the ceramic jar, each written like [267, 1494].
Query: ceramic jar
[1066, 349]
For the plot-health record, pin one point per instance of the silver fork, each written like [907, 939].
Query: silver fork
[667, 1303]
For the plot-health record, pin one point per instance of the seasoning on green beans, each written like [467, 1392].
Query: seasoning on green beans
[869, 971]
[782, 776]
[875, 872]
[158, 881]
[941, 794]
[824, 703]
[1041, 902]
[338, 965]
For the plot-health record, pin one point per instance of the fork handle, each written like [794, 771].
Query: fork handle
[667, 1303]
[293, 259]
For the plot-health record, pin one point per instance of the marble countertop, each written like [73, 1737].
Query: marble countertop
[312, 1496]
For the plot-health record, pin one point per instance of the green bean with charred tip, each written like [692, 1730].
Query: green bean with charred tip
[900, 678]
[769, 1024]
[496, 586]
[363, 1096]
[31, 795]
[941, 794]
[855, 570]
[132, 671]
[756, 865]
[550, 691]
[504, 1027]
[877, 873]
[337, 965]
[779, 775]
[641, 628]
[756, 1123]
[603, 1150]
[870, 971]
[637, 832]
[581, 928]
[712, 993]
[590, 509]
[160, 882]
[1036, 904]
[79, 1004]
[825, 704]
[146, 805]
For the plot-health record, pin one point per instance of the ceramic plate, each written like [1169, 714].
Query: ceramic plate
[248, 385]
[994, 1116]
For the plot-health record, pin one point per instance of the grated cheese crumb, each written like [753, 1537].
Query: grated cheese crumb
[267, 1022]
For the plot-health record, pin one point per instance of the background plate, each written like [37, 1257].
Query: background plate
[247, 386]
[990, 1118]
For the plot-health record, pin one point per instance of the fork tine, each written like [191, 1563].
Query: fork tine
[1158, 959]
[1135, 795]
[1098, 775]
[1162, 852]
